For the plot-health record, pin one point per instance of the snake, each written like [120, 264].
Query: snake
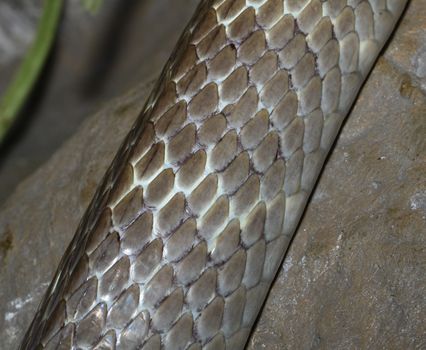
[192, 220]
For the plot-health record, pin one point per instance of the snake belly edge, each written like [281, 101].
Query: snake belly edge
[190, 224]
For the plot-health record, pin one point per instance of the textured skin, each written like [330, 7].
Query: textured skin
[183, 238]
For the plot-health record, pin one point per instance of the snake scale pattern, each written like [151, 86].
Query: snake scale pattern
[183, 238]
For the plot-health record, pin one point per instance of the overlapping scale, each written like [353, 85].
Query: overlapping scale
[185, 236]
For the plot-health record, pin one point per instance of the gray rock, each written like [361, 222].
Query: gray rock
[354, 275]
[94, 59]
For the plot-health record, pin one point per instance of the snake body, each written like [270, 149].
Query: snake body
[184, 236]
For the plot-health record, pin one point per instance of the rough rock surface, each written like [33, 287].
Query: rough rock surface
[354, 275]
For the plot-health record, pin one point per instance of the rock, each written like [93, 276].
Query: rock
[95, 58]
[40, 218]
[354, 275]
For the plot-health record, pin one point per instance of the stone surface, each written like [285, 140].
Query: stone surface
[95, 58]
[353, 277]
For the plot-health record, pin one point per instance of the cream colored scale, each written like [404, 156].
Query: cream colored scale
[184, 236]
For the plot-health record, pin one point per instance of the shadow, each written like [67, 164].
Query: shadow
[397, 24]
[107, 48]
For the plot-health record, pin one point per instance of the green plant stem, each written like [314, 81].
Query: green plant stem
[92, 6]
[31, 66]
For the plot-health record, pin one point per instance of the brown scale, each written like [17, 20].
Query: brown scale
[182, 240]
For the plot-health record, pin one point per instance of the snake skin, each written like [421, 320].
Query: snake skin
[185, 235]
